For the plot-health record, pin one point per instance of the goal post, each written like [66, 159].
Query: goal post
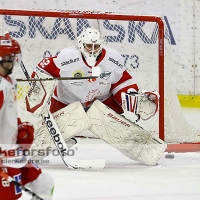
[143, 41]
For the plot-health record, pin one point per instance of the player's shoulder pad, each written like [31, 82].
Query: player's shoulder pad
[114, 59]
[68, 57]
[13, 79]
[4, 83]
[40, 70]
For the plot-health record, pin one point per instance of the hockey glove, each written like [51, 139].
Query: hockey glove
[144, 104]
[25, 135]
[148, 102]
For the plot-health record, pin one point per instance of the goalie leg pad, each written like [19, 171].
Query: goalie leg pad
[71, 121]
[129, 138]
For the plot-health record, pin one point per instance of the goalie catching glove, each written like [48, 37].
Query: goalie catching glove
[144, 104]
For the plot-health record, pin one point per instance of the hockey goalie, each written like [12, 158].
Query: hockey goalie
[95, 104]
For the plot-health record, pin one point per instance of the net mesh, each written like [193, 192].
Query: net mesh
[137, 41]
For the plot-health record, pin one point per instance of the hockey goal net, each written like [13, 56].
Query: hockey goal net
[143, 41]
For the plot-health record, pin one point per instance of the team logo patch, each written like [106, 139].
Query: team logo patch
[77, 83]
[78, 73]
[91, 96]
[69, 61]
[91, 80]
[105, 75]
[6, 43]
[103, 83]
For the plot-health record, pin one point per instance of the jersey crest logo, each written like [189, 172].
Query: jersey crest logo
[92, 95]
[76, 83]
[105, 75]
[103, 83]
[91, 80]
[78, 73]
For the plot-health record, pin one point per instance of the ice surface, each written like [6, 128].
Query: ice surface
[123, 179]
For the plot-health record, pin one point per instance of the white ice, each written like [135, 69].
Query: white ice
[123, 179]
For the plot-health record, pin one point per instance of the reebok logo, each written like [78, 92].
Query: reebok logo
[55, 135]
[115, 62]
[69, 61]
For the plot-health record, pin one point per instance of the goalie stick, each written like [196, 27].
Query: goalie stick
[63, 149]
[11, 180]
[95, 74]
[57, 78]
[59, 142]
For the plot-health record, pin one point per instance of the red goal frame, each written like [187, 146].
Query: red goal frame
[124, 17]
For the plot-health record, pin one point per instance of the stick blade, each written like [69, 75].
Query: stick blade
[88, 164]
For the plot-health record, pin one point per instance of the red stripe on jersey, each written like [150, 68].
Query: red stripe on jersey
[7, 77]
[125, 76]
[33, 74]
[112, 103]
[1, 98]
[101, 57]
[131, 107]
[48, 65]
[85, 62]
[134, 105]
[56, 105]
[55, 92]
[19, 121]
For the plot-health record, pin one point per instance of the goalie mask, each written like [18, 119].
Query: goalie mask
[10, 53]
[90, 44]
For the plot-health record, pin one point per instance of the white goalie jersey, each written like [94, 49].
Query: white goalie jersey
[108, 88]
[113, 79]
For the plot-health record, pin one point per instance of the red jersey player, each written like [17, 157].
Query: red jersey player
[16, 135]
